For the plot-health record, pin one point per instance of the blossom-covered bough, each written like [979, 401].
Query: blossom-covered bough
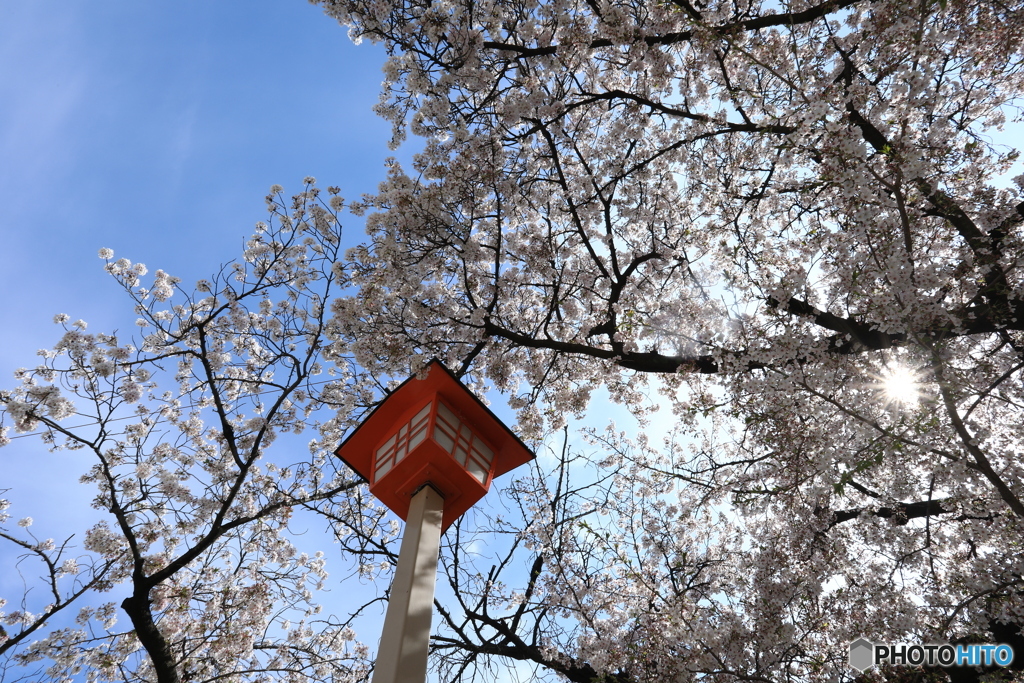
[760, 210]
[194, 506]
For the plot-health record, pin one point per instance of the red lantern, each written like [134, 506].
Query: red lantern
[432, 431]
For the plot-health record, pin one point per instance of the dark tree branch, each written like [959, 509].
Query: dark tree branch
[902, 513]
[757, 23]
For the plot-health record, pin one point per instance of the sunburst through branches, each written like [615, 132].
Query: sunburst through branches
[901, 386]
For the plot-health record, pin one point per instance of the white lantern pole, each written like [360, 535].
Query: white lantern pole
[402, 655]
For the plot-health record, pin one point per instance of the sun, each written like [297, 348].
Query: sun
[901, 385]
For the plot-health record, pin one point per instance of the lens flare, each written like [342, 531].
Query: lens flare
[900, 386]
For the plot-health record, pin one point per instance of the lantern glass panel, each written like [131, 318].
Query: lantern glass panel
[467, 448]
[407, 438]
[481, 451]
[477, 470]
[442, 437]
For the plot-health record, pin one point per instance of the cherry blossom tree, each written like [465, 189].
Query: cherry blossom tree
[789, 225]
[176, 430]
[793, 226]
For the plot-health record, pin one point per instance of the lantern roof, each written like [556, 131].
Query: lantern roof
[359, 448]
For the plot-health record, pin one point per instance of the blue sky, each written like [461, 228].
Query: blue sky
[156, 128]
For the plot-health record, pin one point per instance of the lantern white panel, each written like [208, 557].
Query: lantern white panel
[481, 450]
[448, 416]
[416, 438]
[398, 446]
[477, 470]
[386, 448]
[442, 437]
[467, 448]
